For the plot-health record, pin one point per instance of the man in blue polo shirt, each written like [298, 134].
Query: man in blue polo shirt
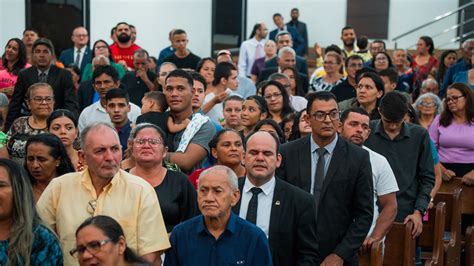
[218, 236]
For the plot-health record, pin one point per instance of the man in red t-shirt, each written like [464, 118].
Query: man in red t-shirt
[123, 49]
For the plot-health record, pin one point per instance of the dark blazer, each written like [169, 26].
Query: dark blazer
[346, 204]
[61, 81]
[302, 30]
[299, 43]
[67, 57]
[301, 64]
[292, 230]
[267, 72]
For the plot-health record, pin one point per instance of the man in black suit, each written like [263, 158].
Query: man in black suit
[80, 55]
[339, 176]
[283, 39]
[284, 212]
[298, 42]
[300, 26]
[286, 58]
[42, 71]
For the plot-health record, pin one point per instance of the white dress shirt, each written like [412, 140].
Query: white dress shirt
[265, 199]
[247, 55]
[314, 158]
[83, 51]
[95, 113]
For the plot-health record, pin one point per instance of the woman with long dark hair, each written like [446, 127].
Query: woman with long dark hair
[453, 131]
[446, 60]
[23, 238]
[14, 59]
[277, 99]
[424, 60]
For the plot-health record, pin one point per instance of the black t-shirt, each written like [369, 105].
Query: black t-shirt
[344, 91]
[177, 197]
[135, 86]
[189, 61]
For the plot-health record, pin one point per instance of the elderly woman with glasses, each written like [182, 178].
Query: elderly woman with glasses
[100, 241]
[24, 240]
[453, 131]
[40, 101]
[177, 196]
[428, 106]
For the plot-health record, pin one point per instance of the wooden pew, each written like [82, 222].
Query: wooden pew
[399, 246]
[432, 236]
[452, 246]
[374, 257]
[467, 207]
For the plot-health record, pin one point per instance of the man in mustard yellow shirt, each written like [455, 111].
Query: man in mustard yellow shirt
[103, 189]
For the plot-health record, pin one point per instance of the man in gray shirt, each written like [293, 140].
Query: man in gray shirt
[407, 149]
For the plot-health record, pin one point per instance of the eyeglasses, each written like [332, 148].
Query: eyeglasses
[100, 47]
[91, 206]
[453, 98]
[81, 35]
[275, 95]
[321, 116]
[382, 59]
[424, 104]
[92, 247]
[329, 63]
[40, 100]
[151, 141]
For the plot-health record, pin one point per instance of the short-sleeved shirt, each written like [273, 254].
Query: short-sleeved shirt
[241, 243]
[135, 86]
[455, 143]
[125, 54]
[45, 250]
[129, 199]
[384, 180]
[190, 61]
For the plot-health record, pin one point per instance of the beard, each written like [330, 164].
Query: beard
[124, 38]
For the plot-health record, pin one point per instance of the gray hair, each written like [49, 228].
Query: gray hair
[427, 82]
[92, 127]
[277, 76]
[231, 176]
[101, 57]
[168, 63]
[436, 100]
[286, 50]
[466, 42]
[283, 32]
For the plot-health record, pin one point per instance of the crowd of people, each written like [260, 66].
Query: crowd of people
[111, 156]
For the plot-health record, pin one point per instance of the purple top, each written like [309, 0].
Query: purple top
[258, 66]
[455, 143]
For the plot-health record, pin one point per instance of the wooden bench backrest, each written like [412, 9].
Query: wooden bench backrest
[399, 245]
[467, 196]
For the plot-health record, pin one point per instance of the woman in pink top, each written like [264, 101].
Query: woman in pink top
[453, 134]
[13, 60]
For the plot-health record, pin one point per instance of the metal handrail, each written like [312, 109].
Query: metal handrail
[438, 18]
[457, 39]
[446, 31]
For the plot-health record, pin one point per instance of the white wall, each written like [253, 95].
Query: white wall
[153, 20]
[12, 21]
[325, 18]
[405, 15]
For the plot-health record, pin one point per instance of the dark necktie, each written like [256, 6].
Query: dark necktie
[78, 57]
[43, 77]
[319, 175]
[253, 205]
